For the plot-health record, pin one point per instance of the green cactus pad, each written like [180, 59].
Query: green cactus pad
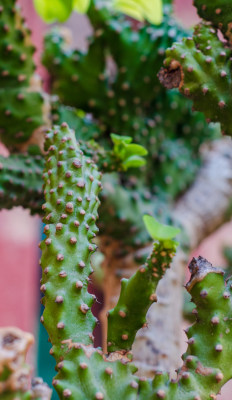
[201, 68]
[86, 374]
[72, 184]
[138, 292]
[219, 12]
[21, 181]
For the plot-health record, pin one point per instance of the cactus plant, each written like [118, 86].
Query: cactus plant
[200, 65]
[136, 109]
[85, 372]
[120, 100]
[23, 106]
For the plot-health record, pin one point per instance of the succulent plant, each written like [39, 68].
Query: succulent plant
[200, 66]
[23, 106]
[88, 373]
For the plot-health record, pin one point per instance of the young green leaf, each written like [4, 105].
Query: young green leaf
[117, 139]
[159, 231]
[133, 162]
[60, 10]
[54, 10]
[150, 10]
[81, 6]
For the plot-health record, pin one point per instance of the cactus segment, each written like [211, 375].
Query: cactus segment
[21, 174]
[72, 184]
[69, 67]
[201, 67]
[22, 104]
[137, 295]
[86, 374]
[21, 181]
[111, 98]
[219, 12]
[124, 154]
[206, 367]
[83, 124]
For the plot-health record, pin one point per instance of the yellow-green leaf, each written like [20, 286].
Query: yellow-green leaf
[159, 231]
[81, 6]
[54, 10]
[150, 10]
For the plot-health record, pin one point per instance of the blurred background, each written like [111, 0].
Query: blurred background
[20, 233]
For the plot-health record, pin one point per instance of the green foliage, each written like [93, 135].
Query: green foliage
[130, 154]
[60, 10]
[151, 10]
[159, 231]
[54, 10]
[131, 102]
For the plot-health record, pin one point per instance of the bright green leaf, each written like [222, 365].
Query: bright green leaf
[133, 162]
[117, 139]
[54, 10]
[150, 10]
[135, 149]
[159, 231]
[81, 6]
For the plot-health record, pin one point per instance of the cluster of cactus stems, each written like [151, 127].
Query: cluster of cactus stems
[71, 211]
[126, 97]
[131, 103]
[128, 101]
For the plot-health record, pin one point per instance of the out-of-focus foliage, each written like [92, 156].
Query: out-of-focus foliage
[60, 10]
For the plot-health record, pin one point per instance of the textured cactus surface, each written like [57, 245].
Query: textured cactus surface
[84, 372]
[200, 66]
[71, 188]
[21, 106]
[219, 12]
[126, 97]
[137, 293]
[21, 181]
